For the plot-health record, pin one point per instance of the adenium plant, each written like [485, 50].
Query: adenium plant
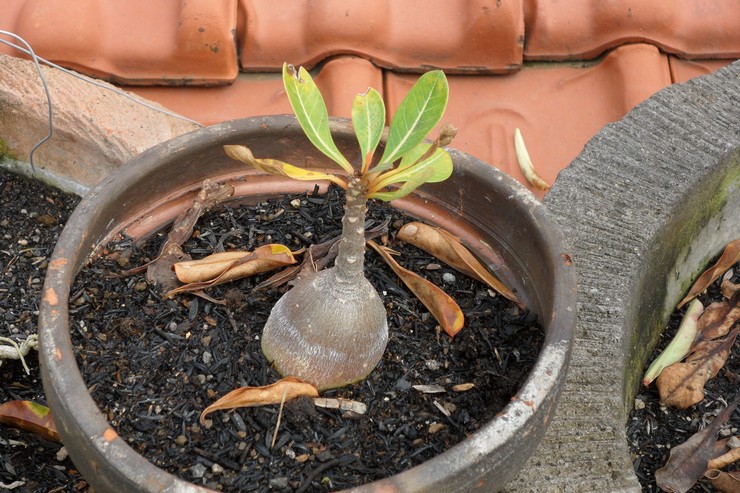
[330, 329]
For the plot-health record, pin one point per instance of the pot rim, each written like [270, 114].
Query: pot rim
[66, 389]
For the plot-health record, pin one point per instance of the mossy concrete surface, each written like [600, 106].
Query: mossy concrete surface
[95, 130]
[646, 204]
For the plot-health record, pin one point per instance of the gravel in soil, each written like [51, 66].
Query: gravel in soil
[153, 365]
[31, 218]
[653, 429]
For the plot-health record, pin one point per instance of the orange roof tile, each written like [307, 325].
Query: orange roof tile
[459, 36]
[584, 29]
[557, 106]
[132, 42]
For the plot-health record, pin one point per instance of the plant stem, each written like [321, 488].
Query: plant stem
[350, 260]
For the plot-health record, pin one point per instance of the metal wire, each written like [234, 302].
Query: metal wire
[29, 51]
[36, 59]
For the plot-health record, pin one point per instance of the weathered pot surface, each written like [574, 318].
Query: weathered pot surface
[496, 216]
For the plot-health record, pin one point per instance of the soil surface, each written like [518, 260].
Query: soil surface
[653, 429]
[31, 218]
[154, 364]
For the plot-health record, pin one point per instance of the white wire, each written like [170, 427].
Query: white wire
[35, 59]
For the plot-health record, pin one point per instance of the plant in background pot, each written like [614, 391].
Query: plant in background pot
[494, 216]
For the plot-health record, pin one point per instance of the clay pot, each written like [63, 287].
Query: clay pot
[495, 215]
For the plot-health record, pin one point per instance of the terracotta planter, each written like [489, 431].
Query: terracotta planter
[496, 216]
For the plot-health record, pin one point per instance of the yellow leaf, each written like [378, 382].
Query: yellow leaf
[281, 391]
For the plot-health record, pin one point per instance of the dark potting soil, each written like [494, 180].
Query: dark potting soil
[153, 365]
[653, 429]
[31, 218]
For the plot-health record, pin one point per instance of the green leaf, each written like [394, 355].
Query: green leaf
[419, 112]
[435, 168]
[440, 161]
[310, 110]
[406, 188]
[368, 118]
[679, 345]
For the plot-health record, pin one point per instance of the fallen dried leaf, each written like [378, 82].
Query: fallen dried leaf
[730, 256]
[449, 250]
[679, 345]
[688, 462]
[681, 385]
[439, 303]
[29, 416]
[724, 482]
[719, 317]
[286, 389]
[219, 268]
[728, 288]
[525, 163]
[430, 389]
[725, 459]
[341, 404]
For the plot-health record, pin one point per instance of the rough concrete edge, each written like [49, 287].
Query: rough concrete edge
[63, 183]
[612, 202]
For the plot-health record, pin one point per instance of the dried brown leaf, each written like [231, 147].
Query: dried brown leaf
[728, 289]
[439, 303]
[719, 317]
[688, 462]
[29, 416]
[448, 249]
[285, 389]
[730, 256]
[219, 268]
[316, 258]
[725, 459]
[724, 482]
[681, 385]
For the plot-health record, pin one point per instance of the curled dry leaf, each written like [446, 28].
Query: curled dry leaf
[679, 345]
[439, 303]
[728, 289]
[719, 317]
[219, 268]
[730, 256]
[281, 391]
[681, 385]
[449, 250]
[688, 462]
[725, 459]
[525, 163]
[724, 482]
[29, 416]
